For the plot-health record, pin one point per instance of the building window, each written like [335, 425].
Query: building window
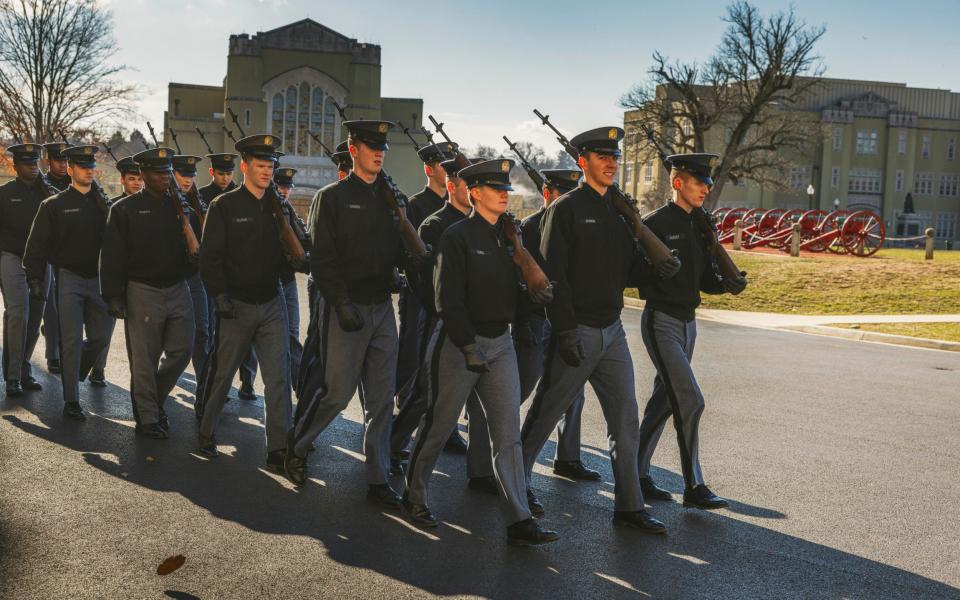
[799, 178]
[246, 118]
[865, 181]
[290, 122]
[951, 148]
[835, 178]
[628, 174]
[949, 185]
[946, 225]
[330, 136]
[687, 128]
[176, 107]
[276, 117]
[902, 143]
[837, 138]
[923, 184]
[296, 113]
[867, 142]
[925, 147]
[648, 172]
[899, 180]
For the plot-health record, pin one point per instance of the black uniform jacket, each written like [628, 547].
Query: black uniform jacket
[431, 230]
[67, 233]
[19, 204]
[423, 204]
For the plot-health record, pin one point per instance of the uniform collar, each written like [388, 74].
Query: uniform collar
[679, 212]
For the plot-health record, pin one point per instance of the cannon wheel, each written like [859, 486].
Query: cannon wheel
[810, 223]
[832, 224]
[863, 233]
[730, 218]
[785, 221]
[751, 216]
[768, 222]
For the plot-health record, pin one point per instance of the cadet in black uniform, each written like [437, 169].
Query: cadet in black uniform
[20, 199]
[356, 247]
[531, 335]
[669, 327]
[58, 177]
[479, 466]
[67, 233]
[590, 253]
[143, 270]
[476, 289]
[241, 262]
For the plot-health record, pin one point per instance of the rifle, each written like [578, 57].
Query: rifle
[289, 241]
[534, 175]
[173, 136]
[229, 134]
[193, 194]
[103, 201]
[176, 195]
[323, 146]
[723, 266]
[397, 201]
[407, 133]
[204, 139]
[664, 261]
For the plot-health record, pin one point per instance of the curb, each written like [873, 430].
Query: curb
[873, 336]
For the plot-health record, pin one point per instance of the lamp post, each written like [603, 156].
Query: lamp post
[810, 192]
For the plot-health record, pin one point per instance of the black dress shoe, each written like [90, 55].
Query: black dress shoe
[486, 484]
[651, 491]
[246, 392]
[294, 467]
[152, 431]
[418, 515]
[397, 466]
[163, 421]
[275, 460]
[384, 494]
[97, 378]
[574, 469]
[455, 443]
[72, 410]
[536, 507]
[529, 533]
[638, 519]
[207, 446]
[53, 366]
[31, 385]
[701, 497]
[13, 388]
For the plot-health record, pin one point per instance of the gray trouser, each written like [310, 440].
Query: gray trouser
[410, 350]
[609, 369]
[413, 410]
[530, 361]
[51, 319]
[21, 318]
[159, 331]
[366, 359]
[499, 396]
[203, 326]
[670, 343]
[263, 326]
[81, 307]
[291, 306]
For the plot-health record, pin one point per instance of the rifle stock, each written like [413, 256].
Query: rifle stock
[193, 245]
[533, 276]
[532, 173]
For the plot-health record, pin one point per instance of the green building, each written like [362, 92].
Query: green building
[285, 82]
[882, 141]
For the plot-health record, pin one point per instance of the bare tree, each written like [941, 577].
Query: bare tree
[744, 98]
[56, 71]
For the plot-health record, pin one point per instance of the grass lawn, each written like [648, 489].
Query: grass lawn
[934, 331]
[894, 281]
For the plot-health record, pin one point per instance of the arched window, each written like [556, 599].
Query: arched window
[329, 124]
[276, 121]
[290, 120]
[316, 120]
[303, 121]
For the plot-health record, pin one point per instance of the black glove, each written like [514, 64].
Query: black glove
[544, 296]
[116, 308]
[224, 307]
[193, 259]
[735, 285]
[523, 332]
[301, 265]
[476, 360]
[570, 348]
[669, 267]
[36, 290]
[349, 316]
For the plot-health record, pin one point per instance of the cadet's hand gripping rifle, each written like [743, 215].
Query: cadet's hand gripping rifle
[173, 192]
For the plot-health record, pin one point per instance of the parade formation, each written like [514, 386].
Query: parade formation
[493, 312]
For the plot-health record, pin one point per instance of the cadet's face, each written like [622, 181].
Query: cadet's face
[131, 183]
[27, 171]
[156, 181]
[221, 179]
[80, 175]
[549, 195]
[436, 174]
[183, 181]
[691, 192]
[601, 169]
[57, 167]
[488, 201]
[284, 190]
[459, 194]
[366, 160]
[258, 172]
[341, 174]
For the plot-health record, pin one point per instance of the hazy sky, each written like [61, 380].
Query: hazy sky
[482, 66]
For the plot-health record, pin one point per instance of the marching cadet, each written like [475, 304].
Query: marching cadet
[241, 263]
[590, 253]
[531, 335]
[19, 202]
[356, 246]
[58, 177]
[131, 182]
[143, 270]
[283, 178]
[67, 233]
[476, 289]
[344, 160]
[479, 466]
[669, 328]
[221, 176]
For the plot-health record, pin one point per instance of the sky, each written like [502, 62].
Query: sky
[481, 67]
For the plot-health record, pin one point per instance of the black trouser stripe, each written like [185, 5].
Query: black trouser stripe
[534, 413]
[133, 401]
[56, 292]
[6, 344]
[686, 463]
[432, 401]
[406, 407]
[209, 373]
[315, 398]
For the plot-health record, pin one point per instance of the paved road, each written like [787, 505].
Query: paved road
[841, 459]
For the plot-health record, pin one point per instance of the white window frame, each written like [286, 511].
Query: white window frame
[902, 142]
[838, 138]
